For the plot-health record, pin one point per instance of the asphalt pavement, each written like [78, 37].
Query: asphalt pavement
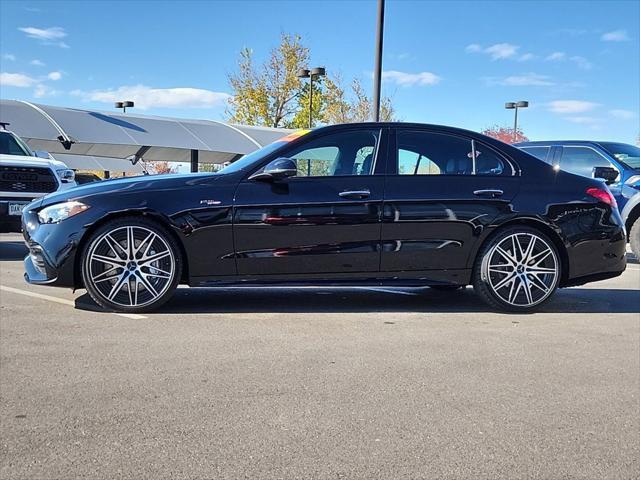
[327, 383]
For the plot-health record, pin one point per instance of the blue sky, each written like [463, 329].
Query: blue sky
[454, 62]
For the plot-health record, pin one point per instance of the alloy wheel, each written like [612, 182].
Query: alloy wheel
[131, 266]
[522, 269]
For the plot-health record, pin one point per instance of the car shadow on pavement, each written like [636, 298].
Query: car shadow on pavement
[10, 251]
[374, 299]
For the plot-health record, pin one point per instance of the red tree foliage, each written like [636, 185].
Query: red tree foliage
[505, 134]
[162, 167]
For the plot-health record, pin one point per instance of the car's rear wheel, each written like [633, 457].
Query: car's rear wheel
[131, 265]
[517, 270]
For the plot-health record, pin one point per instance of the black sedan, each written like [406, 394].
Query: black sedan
[363, 204]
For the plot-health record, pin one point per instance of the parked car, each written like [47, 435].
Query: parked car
[618, 164]
[371, 203]
[82, 178]
[24, 176]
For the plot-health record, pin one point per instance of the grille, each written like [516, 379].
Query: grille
[27, 179]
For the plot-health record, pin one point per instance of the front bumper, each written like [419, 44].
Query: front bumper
[52, 250]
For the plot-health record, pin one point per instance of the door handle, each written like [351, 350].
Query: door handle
[492, 193]
[355, 193]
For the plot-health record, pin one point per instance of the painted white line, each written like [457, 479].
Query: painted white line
[62, 301]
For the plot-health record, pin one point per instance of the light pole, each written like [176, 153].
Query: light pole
[314, 73]
[515, 106]
[124, 105]
[377, 71]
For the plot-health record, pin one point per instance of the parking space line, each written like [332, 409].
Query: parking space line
[62, 301]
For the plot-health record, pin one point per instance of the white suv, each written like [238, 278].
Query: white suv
[25, 176]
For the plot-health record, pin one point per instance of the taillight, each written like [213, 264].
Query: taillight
[603, 195]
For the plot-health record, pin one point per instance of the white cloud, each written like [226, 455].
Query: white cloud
[615, 36]
[622, 114]
[16, 80]
[524, 80]
[37, 63]
[9, 56]
[556, 57]
[501, 50]
[48, 36]
[525, 57]
[581, 62]
[496, 52]
[147, 97]
[43, 90]
[405, 79]
[54, 76]
[571, 106]
[584, 120]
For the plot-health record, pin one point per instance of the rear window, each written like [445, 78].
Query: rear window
[541, 153]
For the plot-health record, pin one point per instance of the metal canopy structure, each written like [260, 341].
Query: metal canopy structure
[114, 135]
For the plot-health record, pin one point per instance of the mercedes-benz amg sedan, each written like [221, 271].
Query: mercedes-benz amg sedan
[360, 204]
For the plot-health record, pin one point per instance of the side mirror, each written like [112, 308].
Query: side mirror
[608, 174]
[42, 154]
[278, 169]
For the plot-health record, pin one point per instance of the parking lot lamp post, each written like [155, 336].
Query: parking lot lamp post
[515, 106]
[124, 105]
[377, 71]
[314, 73]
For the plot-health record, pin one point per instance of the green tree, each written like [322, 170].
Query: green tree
[272, 95]
[268, 95]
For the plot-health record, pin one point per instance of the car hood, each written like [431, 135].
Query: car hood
[24, 161]
[91, 192]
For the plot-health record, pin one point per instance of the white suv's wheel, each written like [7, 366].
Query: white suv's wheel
[517, 270]
[131, 265]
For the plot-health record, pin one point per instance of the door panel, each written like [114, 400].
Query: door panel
[325, 220]
[432, 220]
[303, 225]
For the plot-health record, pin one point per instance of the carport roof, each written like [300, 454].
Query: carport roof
[120, 135]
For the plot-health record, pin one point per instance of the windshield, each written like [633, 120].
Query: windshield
[624, 153]
[11, 145]
[253, 157]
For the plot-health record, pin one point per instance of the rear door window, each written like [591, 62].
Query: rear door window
[581, 160]
[429, 153]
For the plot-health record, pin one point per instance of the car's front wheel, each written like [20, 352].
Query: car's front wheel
[517, 270]
[131, 265]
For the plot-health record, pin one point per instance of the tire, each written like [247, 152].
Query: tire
[447, 288]
[634, 238]
[519, 283]
[131, 280]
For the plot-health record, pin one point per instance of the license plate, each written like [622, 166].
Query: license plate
[16, 208]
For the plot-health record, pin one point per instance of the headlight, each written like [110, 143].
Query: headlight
[66, 175]
[60, 211]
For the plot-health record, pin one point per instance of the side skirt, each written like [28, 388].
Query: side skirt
[407, 279]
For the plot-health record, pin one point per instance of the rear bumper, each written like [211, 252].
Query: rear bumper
[599, 254]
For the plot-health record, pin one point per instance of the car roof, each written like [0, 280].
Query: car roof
[549, 143]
